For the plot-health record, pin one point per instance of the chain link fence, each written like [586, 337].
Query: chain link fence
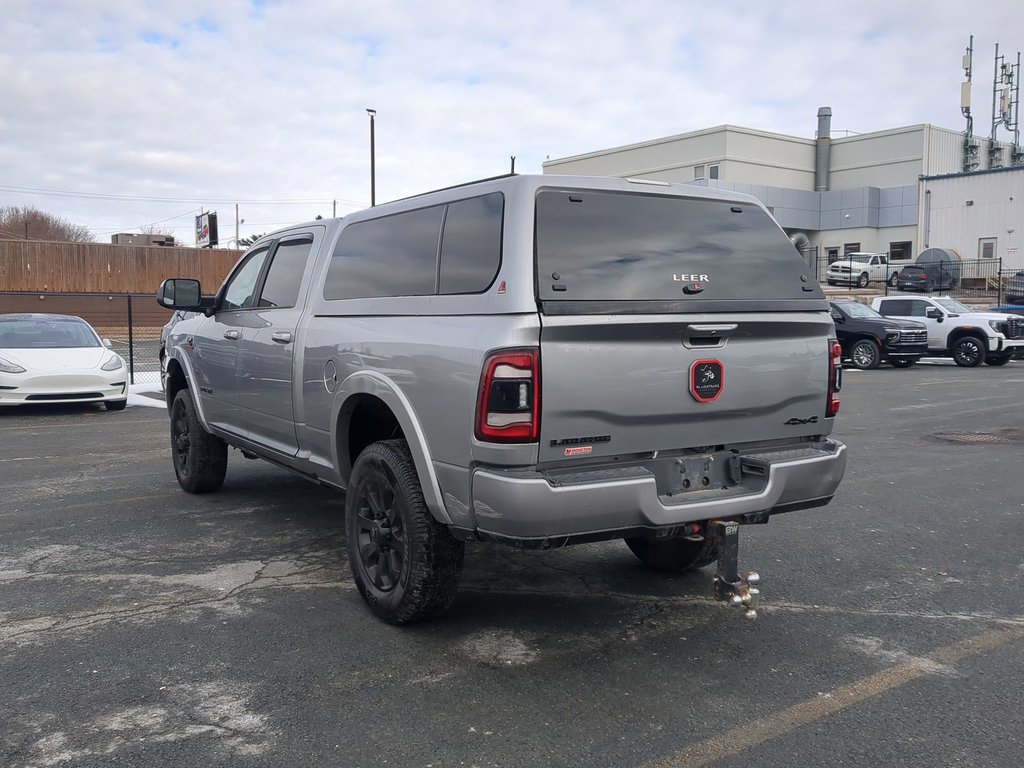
[132, 323]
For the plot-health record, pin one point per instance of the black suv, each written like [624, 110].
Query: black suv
[1015, 289]
[868, 338]
[927, 277]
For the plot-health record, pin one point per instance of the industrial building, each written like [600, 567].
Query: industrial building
[896, 191]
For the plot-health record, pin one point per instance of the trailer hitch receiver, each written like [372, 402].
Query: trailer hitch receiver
[729, 587]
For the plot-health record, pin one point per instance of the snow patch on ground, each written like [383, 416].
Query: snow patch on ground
[137, 395]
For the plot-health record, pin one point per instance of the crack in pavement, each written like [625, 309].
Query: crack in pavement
[30, 629]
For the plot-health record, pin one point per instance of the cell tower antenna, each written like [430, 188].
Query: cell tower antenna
[970, 151]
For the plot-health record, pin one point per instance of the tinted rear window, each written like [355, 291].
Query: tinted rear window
[471, 246]
[391, 256]
[281, 288]
[627, 247]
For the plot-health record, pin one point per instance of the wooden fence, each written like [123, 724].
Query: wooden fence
[49, 267]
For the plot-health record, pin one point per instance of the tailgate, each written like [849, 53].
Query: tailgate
[614, 385]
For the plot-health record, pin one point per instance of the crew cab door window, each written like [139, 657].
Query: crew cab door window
[918, 308]
[240, 291]
[281, 287]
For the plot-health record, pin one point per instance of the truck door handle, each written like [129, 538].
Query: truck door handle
[232, 335]
[282, 337]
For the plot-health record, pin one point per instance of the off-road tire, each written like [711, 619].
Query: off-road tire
[389, 528]
[115, 405]
[865, 355]
[902, 362]
[891, 282]
[200, 459]
[863, 280]
[996, 360]
[674, 555]
[968, 352]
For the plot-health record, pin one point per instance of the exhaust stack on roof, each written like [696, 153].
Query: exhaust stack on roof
[823, 150]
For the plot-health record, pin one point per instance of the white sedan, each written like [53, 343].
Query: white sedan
[58, 359]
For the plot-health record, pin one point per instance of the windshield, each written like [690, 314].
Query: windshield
[618, 246]
[46, 333]
[856, 309]
[953, 306]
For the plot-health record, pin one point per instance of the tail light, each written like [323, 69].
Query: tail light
[507, 409]
[835, 377]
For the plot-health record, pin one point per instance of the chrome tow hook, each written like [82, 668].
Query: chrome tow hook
[729, 586]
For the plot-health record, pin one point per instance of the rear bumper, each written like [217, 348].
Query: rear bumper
[526, 506]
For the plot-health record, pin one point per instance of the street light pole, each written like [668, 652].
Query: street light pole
[373, 160]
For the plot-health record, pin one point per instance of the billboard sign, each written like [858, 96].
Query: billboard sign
[206, 230]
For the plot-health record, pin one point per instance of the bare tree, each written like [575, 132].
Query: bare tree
[152, 229]
[245, 242]
[32, 224]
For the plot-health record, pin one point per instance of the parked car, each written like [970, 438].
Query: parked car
[868, 338]
[58, 359]
[1015, 289]
[925, 277]
[532, 360]
[957, 331]
[860, 269]
[176, 317]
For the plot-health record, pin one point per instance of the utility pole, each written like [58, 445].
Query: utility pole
[236, 227]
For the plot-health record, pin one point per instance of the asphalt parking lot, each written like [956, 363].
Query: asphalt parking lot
[141, 626]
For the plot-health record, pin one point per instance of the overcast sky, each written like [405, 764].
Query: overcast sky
[122, 113]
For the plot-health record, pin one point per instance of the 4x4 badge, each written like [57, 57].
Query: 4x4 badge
[707, 379]
[796, 420]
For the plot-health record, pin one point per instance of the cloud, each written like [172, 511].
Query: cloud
[240, 100]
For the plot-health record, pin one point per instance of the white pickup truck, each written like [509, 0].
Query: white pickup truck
[970, 338]
[862, 268]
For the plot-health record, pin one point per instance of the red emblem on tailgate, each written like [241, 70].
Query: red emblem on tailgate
[707, 379]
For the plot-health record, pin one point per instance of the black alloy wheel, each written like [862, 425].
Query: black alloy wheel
[865, 355]
[406, 565]
[200, 459]
[163, 371]
[380, 533]
[968, 352]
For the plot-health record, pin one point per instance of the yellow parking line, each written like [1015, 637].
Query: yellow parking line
[779, 724]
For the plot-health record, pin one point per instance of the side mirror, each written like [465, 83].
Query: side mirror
[182, 293]
[838, 319]
[934, 313]
[107, 344]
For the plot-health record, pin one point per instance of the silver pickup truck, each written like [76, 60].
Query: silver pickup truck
[534, 360]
